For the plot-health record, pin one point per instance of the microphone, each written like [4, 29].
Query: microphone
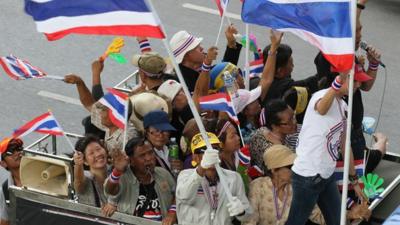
[364, 46]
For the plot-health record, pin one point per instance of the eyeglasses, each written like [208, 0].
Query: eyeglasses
[13, 150]
[157, 132]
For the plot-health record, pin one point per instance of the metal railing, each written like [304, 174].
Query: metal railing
[127, 84]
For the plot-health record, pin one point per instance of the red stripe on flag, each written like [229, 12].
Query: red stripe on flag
[30, 124]
[213, 97]
[128, 30]
[118, 93]
[8, 72]
[341, 63]
[115, 121]
[219, 5]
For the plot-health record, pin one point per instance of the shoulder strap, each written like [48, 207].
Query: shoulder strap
[6, 192]
[96, 194]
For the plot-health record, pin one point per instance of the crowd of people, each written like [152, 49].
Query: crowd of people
[278, 164]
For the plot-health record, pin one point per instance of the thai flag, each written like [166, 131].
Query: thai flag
[325, 24]
[45, 124]
[359, 166]
[19, 69]
[256, 68]
[244, 156]
[221, 4]
[58, 18]
[219, 102]
[116, 102]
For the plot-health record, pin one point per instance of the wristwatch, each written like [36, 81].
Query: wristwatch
[353, 179]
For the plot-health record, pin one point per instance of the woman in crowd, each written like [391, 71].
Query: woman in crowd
[90, 152]
[280, 121]
[230, 144]
[271, 196]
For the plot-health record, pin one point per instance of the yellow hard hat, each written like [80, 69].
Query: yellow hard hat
[198, 141]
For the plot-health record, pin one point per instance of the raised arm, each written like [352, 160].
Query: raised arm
[85, 96]
[79, 177]
[323, 105]
[120, 163]
[233, 48]
[203, 82]
[269, 68]
[97, 89]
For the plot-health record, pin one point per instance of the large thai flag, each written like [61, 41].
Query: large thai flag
[116, 102]
[325, 24]
[58, 18]
[45, 124]
[359, 166]
[219, 102]
[19, 69]
[221, 4]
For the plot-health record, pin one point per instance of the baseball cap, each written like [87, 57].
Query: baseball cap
[170, 88]
[245, 97]
[159, 120]
[198, 141]
[151, 63]
[359, 74]
[278, 156]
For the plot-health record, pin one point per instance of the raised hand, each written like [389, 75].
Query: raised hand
[120, 160]
[72, 79]
[211, 55]
[229, 34]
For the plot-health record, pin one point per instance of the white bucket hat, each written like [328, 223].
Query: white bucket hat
[245, 97]
[182, 42]
[170, 89]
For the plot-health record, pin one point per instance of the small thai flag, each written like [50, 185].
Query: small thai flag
[219, 102]
[359, 166]
[221, 4]
[19, 69]
[256, 68]
[45, 124]
[117, 104]
[244, 156]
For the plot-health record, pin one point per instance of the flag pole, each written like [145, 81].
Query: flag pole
[343, 209]
[66, 138]
[222, 24]
[192, 106]
[52, 77]
[246, 64]
[126, 124]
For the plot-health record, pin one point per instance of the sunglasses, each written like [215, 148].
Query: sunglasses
[12, 150]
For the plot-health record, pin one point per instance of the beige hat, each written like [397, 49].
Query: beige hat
[182, 42]
[278, 156]
[144, 103]
[151, 63]
[170, 89]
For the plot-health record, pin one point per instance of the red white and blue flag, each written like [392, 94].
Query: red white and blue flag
[325, 24]
[45, 124]
[221, 4]
[58, 18]
[19, 69]
[116, 102]
[244, 156]
[359, 166]
[219, 102]
[256, 68]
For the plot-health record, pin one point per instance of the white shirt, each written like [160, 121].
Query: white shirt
[320, 138]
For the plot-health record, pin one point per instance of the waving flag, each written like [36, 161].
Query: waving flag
[325, 24]
[256, 68]
[19, 69]
[116, 102]
[221, 4]
[45, 124]
[219, 102]
[58, 18]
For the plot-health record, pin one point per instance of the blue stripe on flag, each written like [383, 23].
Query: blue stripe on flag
[70, 8]
[339, 174]
[50, 124]
[113, 101]
[321, 18]
[223, 106]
